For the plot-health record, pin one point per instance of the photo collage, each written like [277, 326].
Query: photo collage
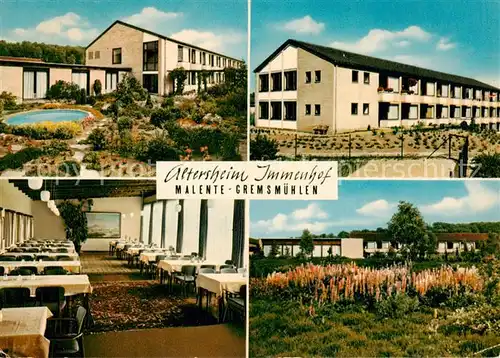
[249, 178]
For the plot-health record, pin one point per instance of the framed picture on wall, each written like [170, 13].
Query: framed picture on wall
[103, 225]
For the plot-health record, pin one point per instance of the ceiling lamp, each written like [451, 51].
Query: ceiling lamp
[131, 215]
[178, 207]
[45, 195]
[35, 183]
[124, 216]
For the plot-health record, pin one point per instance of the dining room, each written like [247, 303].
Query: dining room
[87, 264]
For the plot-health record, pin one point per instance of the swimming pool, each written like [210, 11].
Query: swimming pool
[47, 115]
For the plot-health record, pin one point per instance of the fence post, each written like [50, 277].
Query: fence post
[402, 145]
[295, 146]
[349, 146]
[449, 146]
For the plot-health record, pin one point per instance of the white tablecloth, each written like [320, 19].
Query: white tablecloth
[74, 256]
[71, 266]
[22, 331]
[220, 282]
[176, 265]
[146, 257]
[73, 284]
[135, 250]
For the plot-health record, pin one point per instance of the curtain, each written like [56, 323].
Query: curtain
[444, 91]
[41, 84]
[145, 223]
[157, 221]
[180, 228]
[80, 78]
[239, 233]
[219, 232]
[393, 82]
[444, 112]
[108, 84]
[316, 251]
[191, 229]
[393, 112]
[29, 85]
[171, 222]
[163, 221]
[456, 112]
[202, 239]
[413, 113]
[430, 88]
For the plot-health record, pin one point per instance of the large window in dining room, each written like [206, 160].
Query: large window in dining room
[146, 217]
[156, 227]
[191, 227]
[219, 230]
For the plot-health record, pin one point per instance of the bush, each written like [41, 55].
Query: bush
[16, 160]
[486, 165]
[263, 148]
[124, 123]
[9, 100]
[82, 99]
[158, 149]
[97, 87]
[48, 130]
[62, 90]
[92, 161]
[161, 116]
[396, 306]
[55, 147]
[129, 89]
[69, 168]
[97, 138]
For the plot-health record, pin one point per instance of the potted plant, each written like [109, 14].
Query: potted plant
[380, 89]
[75, 222]
[389, 89]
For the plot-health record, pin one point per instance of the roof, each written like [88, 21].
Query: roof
[160, 36]
[354, 60]
[440, 236]
[26, 59]
[21, 61]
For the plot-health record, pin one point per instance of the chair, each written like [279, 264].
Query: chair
[46, 258]
[229, 262]
[66, 335]
[228, 270]
[186, 277]
[32, 250]
[153, 266]
[186, 257]
[52, 298]
[15, 297]
[8, 258]
[206, 270]
[16, 249]
[236, 303]
[62, 250]
[225, 266]
[207, 266]
[25, 258]
[55, 270]
[24, 271]
[64, 258]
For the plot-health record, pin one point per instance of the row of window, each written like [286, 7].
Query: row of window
[411, 111]
[14, 228]
[355, 77]
[204, 58]
[355, 109]
[116, 56]
[212, 78]
[94, 55]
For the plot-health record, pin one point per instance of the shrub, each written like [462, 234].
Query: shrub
[16, 160]
[129, 89]
[158, 149]
[92, 161]
[9, 100]
[396, 306]
[62, 90]
[486, 165]
[69, 168]
[1, 107]
[126, 146]
[83, 97]
[97, 87]
[48, 130]
[55, 147]
[124, 123]
[161, 116]
[97, 138]
[263, 148]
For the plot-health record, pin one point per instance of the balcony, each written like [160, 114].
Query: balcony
[390, 96]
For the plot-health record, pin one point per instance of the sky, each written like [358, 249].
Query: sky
[369, 204]
[218, 25]
[454, 36]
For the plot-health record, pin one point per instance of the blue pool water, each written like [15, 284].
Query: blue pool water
[47, 115]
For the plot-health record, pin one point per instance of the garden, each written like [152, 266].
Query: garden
[126, 131]
[414, 302]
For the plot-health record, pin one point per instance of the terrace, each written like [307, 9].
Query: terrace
[152, 273]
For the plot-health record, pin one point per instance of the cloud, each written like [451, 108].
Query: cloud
[478, 199]
[304, 25]
[68, 28]
[210, 40]
[444, 44]
[379, 40]
[377, 208]
[312, 211]
[151, 17]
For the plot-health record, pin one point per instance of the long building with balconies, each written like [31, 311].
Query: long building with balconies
[302, 86]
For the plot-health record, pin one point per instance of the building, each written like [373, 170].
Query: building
[302, 86]
[152, 57]
[351, 247]
[29, 79]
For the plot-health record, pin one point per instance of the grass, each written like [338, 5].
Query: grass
[286, 329]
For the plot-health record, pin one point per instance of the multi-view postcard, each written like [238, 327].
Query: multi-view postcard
[110, 95]
[388, 91]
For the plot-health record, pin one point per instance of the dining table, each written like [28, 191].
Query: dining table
[71, 266]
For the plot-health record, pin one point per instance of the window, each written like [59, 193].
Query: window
[444, 91]
[393, 112]
[91, 55]
[218, 61]
[354, 109]
[263, 110]
[308, 77]
[117, 56]
[449, 245]
[317, 110]
[429, 89]
[193, 56]
[290, 111]
[97, 55]
[290, 80]
[366, 78]
[354, 76]
[180, 53]
[150, 82]
[264, 83]
[150, 56]
[276, 81]
[80, 78]
[308, 109]
[212, 60]
[317, 76]
[111, 81]
[366, 109]
[276, 110]
[393, 83]
[193, 78]
[203, 58]
[224, 61]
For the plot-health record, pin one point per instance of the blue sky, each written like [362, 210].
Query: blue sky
[368, 204]
[220, 25]
[456, 36]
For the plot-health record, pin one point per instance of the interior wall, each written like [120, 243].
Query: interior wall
[13, 199]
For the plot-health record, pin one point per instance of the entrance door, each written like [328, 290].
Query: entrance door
[150, 82]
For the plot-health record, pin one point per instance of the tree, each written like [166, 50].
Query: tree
[343, 235]
[306, 243]
[492, 245]
[274, 249]
[97, 87]
[407, 227]
[129, 89]
[486, 165]
[263, 148]
[179, 77]
[75, 222]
